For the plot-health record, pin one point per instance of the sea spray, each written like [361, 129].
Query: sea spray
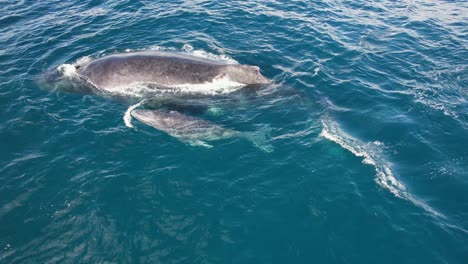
[128, 114]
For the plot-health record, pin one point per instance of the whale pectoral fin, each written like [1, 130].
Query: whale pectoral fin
[215, 111]
[198, 143]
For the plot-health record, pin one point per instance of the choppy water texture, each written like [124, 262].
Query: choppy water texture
[368, 118]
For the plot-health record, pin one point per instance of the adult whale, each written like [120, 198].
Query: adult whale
[163, 70]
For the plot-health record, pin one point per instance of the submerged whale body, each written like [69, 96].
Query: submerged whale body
[195, 131]
[163, 70]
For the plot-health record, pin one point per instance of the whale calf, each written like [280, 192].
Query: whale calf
[163, 70]
[195, 131]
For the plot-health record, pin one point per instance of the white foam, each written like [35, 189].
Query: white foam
[136, 90]
[83, 60]
[156, 47]
[67, 70]
[372, 154]
[128, 114]
[219, 85]
[187, 48]
[316, 70]
[439, 104]
[153, 48]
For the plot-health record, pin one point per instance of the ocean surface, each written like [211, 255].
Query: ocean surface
[367, 120]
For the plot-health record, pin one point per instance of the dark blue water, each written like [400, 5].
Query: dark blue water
[368, 116]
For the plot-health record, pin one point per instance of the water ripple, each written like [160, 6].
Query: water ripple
[77, 184]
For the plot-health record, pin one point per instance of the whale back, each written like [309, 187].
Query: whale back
[160, 69]
[163, 69]
[183, 126]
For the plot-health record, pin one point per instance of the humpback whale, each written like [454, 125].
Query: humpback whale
[163, 70]
[160, 71]
[195, 131]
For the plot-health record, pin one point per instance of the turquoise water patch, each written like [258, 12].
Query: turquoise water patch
[367, 120]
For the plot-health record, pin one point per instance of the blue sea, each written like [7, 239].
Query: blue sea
[366, 116]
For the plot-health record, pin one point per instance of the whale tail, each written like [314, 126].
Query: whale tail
[260, 139]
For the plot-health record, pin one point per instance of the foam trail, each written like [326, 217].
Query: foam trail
[128, 114]
[372, 154]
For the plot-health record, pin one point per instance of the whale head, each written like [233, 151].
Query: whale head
[246, 74]
[156, 118]
[62, 79]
